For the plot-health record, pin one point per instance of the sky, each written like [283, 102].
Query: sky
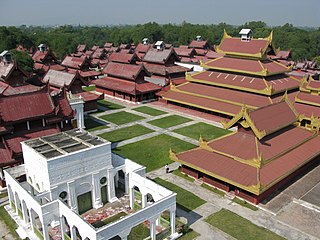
[110, 12]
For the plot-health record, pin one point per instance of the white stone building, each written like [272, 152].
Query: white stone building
[68, 173]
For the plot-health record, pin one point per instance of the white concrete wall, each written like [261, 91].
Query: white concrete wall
[36, 168]
[196, 67]
[74, 165]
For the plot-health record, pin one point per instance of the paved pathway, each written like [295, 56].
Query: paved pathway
[216, 202]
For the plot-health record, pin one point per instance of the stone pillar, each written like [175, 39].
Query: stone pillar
[62, 227]
[173, 220]
[32, 219]
[116, 180]
[72, 196]
[73, 233]
[131, 193]
[158, 223]
[124, 234]
[126, 183]
[111, 189]
[16, 203]
[96, 193]
[24, 212]
[45, 232]
[153, 231]
[144, 200]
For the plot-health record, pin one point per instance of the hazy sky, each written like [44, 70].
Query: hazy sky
[92, 12]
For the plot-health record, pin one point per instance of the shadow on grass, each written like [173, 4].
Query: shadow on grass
[188, 214]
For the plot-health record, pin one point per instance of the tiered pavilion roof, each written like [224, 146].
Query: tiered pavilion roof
[243, 75]
[260, 157]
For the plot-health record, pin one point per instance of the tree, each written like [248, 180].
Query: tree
[23, 60]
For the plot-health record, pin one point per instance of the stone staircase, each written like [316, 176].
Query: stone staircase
[230, 195]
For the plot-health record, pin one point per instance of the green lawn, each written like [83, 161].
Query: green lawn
[150, 111]
[207, 131]
[245, 204]
[169, 121]
[125, 133]
[110, 105]
[2, 195]
[89, 88]
[178, 173]
[4, 216]
[120, 118]
[189, 235]
[139, 232]
[185, 199]
[213, 189]
[239, 227]
[92, 125]
[153, 153]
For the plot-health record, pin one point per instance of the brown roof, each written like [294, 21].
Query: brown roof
[122, 57]
[273, 117]
[212, 54]
[142, 48]
[235, 45]
[203, 103]
[81, 47]
[158, 56]
[184, 52]
[73, 62]
[127, 71]
[89, 96]
[59, 79]
[308, 98]
[254, 67]
[198, 44]
[26, 106]
[225, 94]
[307, 110]
[126, 86]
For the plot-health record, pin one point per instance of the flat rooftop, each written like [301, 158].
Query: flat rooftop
[64, 143]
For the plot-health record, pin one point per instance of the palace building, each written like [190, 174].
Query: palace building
[266, 153]
[242, 75]
[77, 172]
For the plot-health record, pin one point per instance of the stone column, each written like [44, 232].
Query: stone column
[173, 220]
[158, 223]
[116, 180]
[111, 189]
[73, 233]
[144, 200]
[153, 231]
[45, 232]
[62, 227]
[72, 196]
[131, 193]
[24, 212]
[126, 183]
[32, 219]
[96, 193]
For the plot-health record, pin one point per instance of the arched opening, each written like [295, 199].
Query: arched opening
[10, 195]
[17, 205]
[63, 196]
[150, 198]
[137, 198]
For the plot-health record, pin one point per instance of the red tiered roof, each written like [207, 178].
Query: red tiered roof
[142, 48]
[73, 62]
[225, 94]
[126, 86]
[42, 105]
[122, 57]
[247, 66]
[235, 45]
[127, 71]
[198, 44]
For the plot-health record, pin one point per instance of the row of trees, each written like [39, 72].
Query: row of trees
[304, 43]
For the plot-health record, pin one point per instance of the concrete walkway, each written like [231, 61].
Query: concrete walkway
[216, 202]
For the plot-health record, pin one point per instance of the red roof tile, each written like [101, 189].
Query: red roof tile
[158, 56]
[200, 52]
[184, 52]
[307, 110]
[59, 79]
[203, 103]
[126, 86]
[89, 96]
[81, 47]
[308, 98]
[212, 54]
[39, 56]
[235, 45]
[73, 62]
[198, 44]
[25, 106]
[254, 67]
[230, 95]
[122, 57]
[20, 89]
[142, 48]
[273, 117]
[127, 71]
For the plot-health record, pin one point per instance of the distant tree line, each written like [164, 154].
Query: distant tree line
[304, 43]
